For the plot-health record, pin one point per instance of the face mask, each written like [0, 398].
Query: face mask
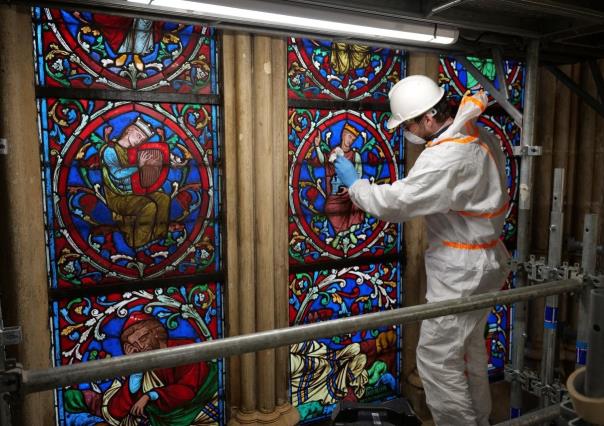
[414, 139]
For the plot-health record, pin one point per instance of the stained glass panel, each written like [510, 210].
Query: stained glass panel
[100, 327]
[323, 222]
[456, 81]
[131, 190]
[324, 225]
[364, 365]
[80, 49]
[332, 70]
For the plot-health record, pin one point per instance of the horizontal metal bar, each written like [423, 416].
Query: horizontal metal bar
[499, 96]
[536, 417]
[445, 6]
[43, 379]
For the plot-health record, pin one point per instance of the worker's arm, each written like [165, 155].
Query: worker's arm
[430, 187]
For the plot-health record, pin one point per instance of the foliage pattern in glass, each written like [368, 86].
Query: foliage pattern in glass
[361, 366]
[102, 327]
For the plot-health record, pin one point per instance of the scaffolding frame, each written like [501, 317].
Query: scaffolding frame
[559, 278]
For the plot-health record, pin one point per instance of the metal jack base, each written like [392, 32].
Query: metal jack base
[568, 415]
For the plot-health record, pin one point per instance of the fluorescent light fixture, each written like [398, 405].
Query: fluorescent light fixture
[344, 25]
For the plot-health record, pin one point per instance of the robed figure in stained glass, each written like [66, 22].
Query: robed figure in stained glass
[133, 172]
[346, 57]
[339, 209]
[174, 396]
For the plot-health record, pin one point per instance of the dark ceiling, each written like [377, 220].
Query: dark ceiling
[569, 30]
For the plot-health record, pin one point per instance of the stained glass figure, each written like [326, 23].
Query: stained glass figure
[130, 188]
[324, 224]
[362, 366]
[101, 327]
[333, 70]
[89, 50]
[457, 81]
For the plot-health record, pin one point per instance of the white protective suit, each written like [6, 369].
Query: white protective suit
[458, 184]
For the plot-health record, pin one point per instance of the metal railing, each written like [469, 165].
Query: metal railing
[31, 381]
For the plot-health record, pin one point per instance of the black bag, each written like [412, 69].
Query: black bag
[396, 412]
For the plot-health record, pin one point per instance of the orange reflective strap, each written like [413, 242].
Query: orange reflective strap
[499, 212]
[466, 139]
[470, 246]
[472, 99]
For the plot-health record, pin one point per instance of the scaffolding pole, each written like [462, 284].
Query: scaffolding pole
[45, 379]
[524, 211]
[594, 370]
[554, 257]
[534, 417]
[588, 266]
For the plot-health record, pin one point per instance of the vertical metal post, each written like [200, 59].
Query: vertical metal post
[524, 211]
[594, 370]
[588, 266]
[5, 417]
[554, 257]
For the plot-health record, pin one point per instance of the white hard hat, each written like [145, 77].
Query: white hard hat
[411, 97]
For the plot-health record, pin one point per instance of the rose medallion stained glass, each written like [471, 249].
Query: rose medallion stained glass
[139, 190]
[324, 224]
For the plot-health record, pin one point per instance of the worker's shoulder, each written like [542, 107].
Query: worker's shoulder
[449, 153]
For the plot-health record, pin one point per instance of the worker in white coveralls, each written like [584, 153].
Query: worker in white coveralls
[458, 185]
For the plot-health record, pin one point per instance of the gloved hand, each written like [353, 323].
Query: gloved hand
[346, 171]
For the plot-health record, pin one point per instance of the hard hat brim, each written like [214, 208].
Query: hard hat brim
[393, 123]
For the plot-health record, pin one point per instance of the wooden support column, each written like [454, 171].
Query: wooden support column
[263, 216]
[22, 251]
[231, 214]
[280, 224]
[245, 211]
[256, 202]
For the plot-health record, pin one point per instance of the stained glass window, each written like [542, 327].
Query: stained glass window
[343, 261]
[457, 80]
[131, 182]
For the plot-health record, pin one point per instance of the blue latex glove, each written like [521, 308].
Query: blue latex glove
[346, 171]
